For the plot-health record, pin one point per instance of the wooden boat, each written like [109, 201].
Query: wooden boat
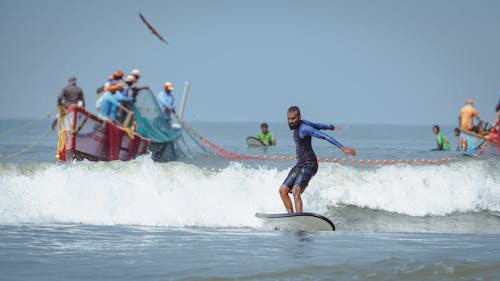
[83, 135]
[473, 144]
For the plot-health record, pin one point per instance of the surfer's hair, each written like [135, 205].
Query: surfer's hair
[294, 109]
[437, 128]
[263, 125]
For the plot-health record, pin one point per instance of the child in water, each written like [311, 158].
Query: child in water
[442, 143]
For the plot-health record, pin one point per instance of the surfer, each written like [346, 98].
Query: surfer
[307, 163]
[265, 136]
[442, 143]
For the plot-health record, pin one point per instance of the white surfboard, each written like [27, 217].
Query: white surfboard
[297, 222]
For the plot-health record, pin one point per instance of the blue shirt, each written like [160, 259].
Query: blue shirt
[166, 103]
[109, 105]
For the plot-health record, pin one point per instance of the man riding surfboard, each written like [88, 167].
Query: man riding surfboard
[307, 163]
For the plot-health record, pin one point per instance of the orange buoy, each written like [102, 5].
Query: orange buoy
[264, 157]
[436, 161]
[378, 162]
[392, 161]
[283, 157]
[326, 159]
[274, 157]
[291, 158]
[415, 161]
[422, 161]
[480, 151]
[475, 155]
[429, 161]
[450, 158]
[368, 162]
[352, 161]
[335, 160]
[360, 161]
[343, 160]
[318, 159]
[238, 155]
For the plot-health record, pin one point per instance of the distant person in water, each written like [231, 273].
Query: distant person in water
[442, 143]
[307, 163]
[166, 100]
[457, 135]
[265, 136]
[467, 115]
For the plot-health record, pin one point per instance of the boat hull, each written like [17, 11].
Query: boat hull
[83, 135]
[474, 144]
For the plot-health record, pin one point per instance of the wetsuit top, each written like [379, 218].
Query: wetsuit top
[267, 139]
[71, 95]
[441, 142]
[166, 103]
[303, 135]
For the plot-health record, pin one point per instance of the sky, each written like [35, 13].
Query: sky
[355, 62]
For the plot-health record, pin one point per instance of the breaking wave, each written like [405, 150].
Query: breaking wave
[175, 194]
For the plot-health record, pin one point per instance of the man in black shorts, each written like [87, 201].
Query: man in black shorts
[307, 163]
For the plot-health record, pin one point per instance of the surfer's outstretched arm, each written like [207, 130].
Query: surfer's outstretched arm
[311, 131]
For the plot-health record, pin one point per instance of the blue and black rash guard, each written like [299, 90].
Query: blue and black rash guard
[303, 135]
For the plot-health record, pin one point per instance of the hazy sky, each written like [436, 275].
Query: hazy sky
[377, 62]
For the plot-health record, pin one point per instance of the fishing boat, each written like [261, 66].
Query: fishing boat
[83, 135]
[473, 144]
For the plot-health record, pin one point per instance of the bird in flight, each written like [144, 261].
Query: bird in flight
[153, 31]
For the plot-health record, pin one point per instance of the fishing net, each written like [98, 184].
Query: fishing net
[167, 141]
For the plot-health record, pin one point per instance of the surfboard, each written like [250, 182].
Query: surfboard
[251, 141]
[297, 222]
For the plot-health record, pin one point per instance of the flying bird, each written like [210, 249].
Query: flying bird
[153, 31]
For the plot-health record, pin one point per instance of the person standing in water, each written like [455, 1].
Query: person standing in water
[307, 163]
[265, 136]
[442, 143]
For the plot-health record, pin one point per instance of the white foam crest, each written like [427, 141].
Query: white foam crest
[141, 192]
[414, 190]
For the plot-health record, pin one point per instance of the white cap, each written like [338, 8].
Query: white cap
[135, 72]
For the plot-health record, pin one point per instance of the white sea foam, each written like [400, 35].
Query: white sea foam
[141, 192]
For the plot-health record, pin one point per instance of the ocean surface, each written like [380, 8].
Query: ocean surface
[194, 219]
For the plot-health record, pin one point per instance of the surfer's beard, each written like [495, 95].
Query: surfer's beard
[294, 125]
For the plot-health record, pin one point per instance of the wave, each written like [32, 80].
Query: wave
[142, 192]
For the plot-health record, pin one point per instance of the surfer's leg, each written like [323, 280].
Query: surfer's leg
[296, 190]
[284, 190]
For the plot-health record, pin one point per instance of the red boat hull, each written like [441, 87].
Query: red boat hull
[83, 135]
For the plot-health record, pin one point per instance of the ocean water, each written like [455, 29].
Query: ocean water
[194, 219]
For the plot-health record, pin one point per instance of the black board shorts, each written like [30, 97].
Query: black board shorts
[300, 175]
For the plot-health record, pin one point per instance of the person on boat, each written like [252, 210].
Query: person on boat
[166, 100]
[467, 115]
[307, 163]
[100, 93]
[497, 108]
[110, 105]
[457, 135]
[442, 143]
[118, 76]
[265, 136]
[136, 73]
[71, 94]
[131, 89]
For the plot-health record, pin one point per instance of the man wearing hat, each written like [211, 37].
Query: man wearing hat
[467, 115]
[71, 94]
[166, 100]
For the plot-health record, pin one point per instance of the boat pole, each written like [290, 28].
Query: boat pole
[184, 98]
